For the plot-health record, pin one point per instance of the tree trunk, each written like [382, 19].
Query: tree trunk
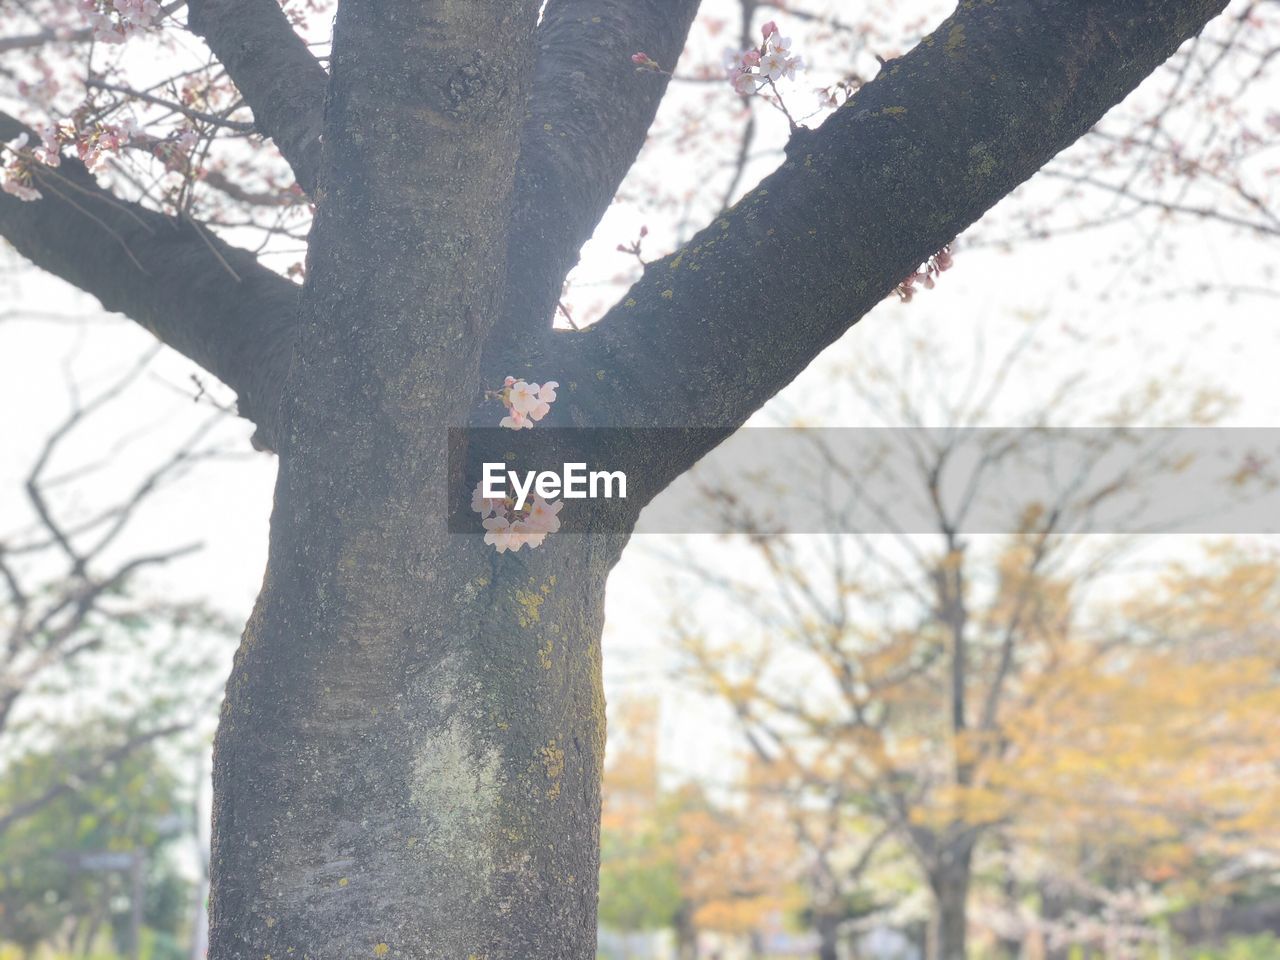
[827, 926]
[686, 935]
[410, 753]
[949, 886]
[408, 760]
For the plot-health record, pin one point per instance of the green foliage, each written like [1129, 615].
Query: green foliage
[133, 805]
[1263, 946]
[639, 881]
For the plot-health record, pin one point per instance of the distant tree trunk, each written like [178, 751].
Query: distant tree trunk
[949, 885]
[827, 927]
[1054, 905]
[686, 935]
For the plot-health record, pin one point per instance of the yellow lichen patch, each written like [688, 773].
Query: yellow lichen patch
[343, 882]
[530, 602]
[553, 761]
[381, 950]
[629, 302]
[668, 294]
[544, 653]
[411, 842]
[894, 111]
[270, 922]
[955, 39]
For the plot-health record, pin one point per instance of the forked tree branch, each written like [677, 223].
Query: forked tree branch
[713, 331]
[589, 114]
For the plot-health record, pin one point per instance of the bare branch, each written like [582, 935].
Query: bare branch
[281, 80]
[171, 276]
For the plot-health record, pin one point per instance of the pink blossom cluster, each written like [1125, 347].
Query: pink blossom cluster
[175, 152]
[114, 21]
[22, 158]
[926, 275]
[526, 403]
[750, 70]
[95, 145]
[507, 528]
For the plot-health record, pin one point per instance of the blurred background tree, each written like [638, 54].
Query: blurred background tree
[107, 697]
[1066, 758]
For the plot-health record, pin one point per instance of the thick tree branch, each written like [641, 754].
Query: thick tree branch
[589, 114]
[277, 75]
[711, 332]
[210, 301]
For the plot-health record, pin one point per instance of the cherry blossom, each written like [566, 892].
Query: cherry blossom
[526, 402]
[14, 184]
[516, 421]
[498, 533]
[508, 528]
[750, 71]
[543, 515]
[18, 179]
[113, 21]
[485, 506]
[926, 275]
[645, 62]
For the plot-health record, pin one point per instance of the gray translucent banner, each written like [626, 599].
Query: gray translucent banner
[908, 481]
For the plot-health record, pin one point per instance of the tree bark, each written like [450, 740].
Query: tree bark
[827, 927]
[949, 886]
[408, 762]
[686, 935]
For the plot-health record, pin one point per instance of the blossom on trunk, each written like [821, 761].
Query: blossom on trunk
[526, 402]
[508, 528]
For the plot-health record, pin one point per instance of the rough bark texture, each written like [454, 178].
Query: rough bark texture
[409, 756]
[587, 122]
